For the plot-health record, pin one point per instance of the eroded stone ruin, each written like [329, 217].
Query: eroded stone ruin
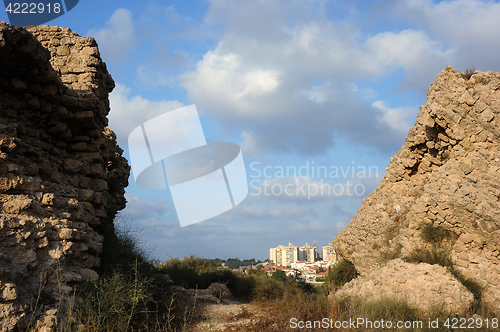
[62, 175]
[446, 175]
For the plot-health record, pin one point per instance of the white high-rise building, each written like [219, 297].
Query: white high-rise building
[329, 253]
[285, 256]
[307, 253]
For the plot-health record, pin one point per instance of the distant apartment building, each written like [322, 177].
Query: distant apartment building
[307, 253]
[329, 253]
[285, 256]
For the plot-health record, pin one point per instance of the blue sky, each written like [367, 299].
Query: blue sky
[295, 83]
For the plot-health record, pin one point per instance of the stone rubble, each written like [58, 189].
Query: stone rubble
[215, 293]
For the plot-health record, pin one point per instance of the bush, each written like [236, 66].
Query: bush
[390, 310]
[131, 294]
[279, 275]
[194, 272]
[341, 273]
[431, 256]
[121, 251]
[435, 234]
[118, 301]
[469, 72]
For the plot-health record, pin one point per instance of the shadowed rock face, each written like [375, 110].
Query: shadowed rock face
[446, 174]
[62, 175]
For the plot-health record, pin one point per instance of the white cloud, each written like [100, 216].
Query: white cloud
[224, 79]
[165, 23]
[246, 230]
[116, 40]
[261, 76]
[288, 77]
[397, 118]
[148, 213]
[408, 49]
[470, 27]
[317, 94]
[305, 189]
[478, 19]
[128, 112]
[414, 51]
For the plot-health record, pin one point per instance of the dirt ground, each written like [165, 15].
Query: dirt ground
[229, 315]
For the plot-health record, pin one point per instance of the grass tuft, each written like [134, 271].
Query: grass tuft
[469, 72]
[432, 256]
[388, 309]
[436, 234]
[439, 254]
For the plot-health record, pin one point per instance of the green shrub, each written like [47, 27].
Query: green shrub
[435, 234]
[121, 250]
[341, 273]
[279, 275]
[266, 288]
[390, 309]
[434, 255]
[131, 294]
[194, 272]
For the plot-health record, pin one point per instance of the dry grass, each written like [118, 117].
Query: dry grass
[469, 72]
[137, 303]
[434, 255]
[436, 234]
[135, 296]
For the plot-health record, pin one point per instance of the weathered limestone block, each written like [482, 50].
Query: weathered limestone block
[421, 285]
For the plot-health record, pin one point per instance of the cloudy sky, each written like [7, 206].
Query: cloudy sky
[317, 93]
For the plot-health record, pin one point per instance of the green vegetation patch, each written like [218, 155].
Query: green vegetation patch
[341, 273]
[439, 254]
[436, 234]
[431, 256]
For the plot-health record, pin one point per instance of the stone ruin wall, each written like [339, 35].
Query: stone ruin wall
[446, 174]
[62, 175]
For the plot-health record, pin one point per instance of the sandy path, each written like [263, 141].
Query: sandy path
[230, 315]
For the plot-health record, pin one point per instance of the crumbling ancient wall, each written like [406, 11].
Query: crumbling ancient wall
[62, 176]
[446, 174]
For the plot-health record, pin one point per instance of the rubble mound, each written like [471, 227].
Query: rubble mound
[445, 177]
